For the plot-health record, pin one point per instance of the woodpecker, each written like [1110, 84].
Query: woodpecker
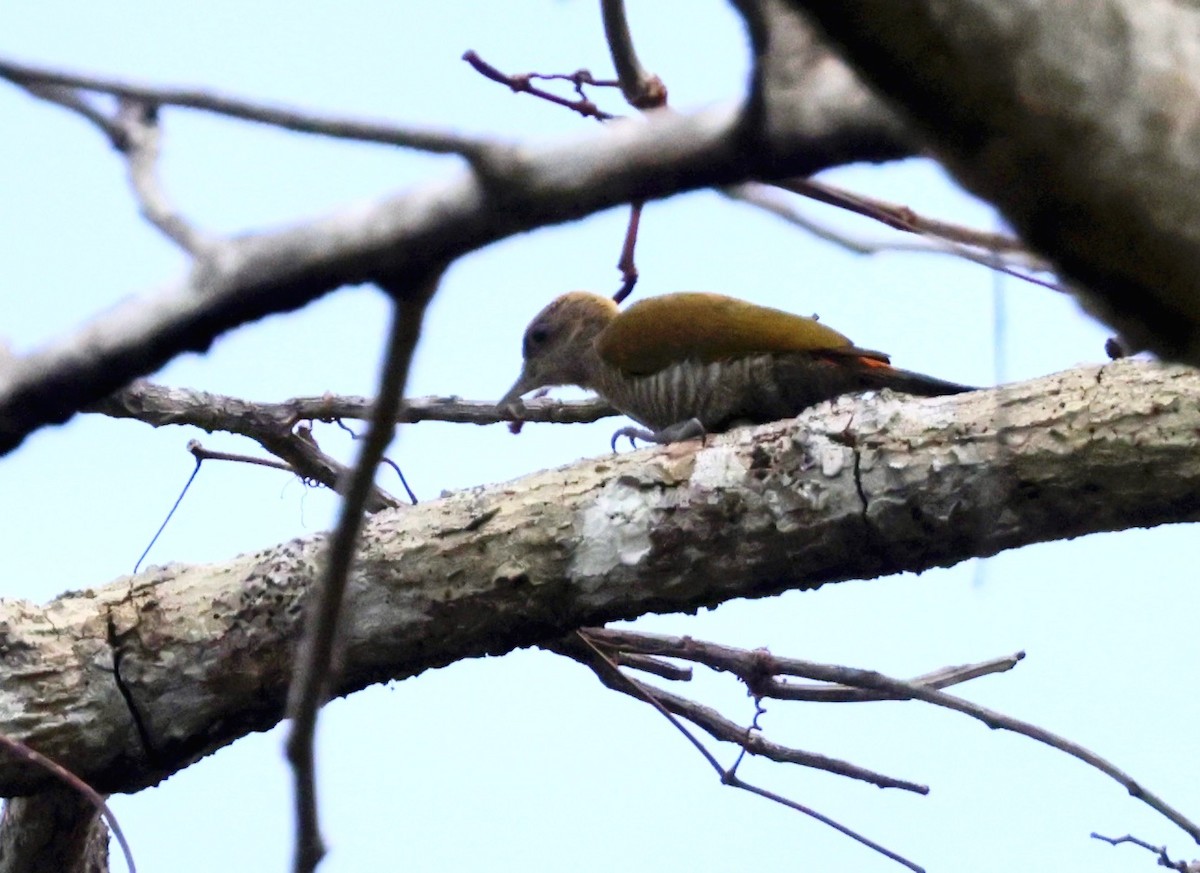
[684, 365]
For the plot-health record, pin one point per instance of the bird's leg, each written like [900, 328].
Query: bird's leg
[677, 432]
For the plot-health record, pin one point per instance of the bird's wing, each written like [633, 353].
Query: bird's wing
[659, 331]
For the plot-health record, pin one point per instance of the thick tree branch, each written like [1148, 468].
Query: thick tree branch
[864, 487]
[1077, 120]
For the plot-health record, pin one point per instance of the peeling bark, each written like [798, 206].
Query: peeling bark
[127, 683]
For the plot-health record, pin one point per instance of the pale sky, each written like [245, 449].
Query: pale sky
[524, 762]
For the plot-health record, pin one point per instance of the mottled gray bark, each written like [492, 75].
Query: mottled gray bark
[129, 682]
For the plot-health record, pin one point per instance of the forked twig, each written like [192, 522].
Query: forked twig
[769, 665]
[522, 83]
[580, 648]
[1164, 860]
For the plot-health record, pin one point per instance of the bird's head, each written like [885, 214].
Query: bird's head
[559, 345]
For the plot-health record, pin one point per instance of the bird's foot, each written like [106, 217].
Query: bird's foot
[681, 430]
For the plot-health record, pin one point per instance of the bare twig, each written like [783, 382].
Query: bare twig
[70, 98]
[721, 728]
[521, 83]
[653, 666]
[626, 264]
[759, 669]
[942, 678]
[580, 648]
[1164, 860]
[769, 665]
[202, 454]
[133, 130]
[420, 138]
[142, 135]
[905, 219]
[412, 498]
[160, 405]
[899, 217]
[642, 89]
[767, 198]
[272, 425]
[317, 655]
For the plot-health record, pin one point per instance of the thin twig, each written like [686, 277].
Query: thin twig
[709, 654]
[1164, 860]
[654, 666]
[759, 669]
[768, 199]
[522, 84]
[941, 678]
[133, 130]
[608, 673]
[274, 426]
[899, 217]
[338, 127]
[317, 655]
[412, 498]
[200, 453]
[905, 219]
[70, 98]
[642, 89]
[626, 263]
[160, 405]
[721, 728]
[141, 148]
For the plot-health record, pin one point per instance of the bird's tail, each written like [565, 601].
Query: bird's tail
[908, 382]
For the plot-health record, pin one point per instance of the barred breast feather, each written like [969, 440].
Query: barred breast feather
[753, 388]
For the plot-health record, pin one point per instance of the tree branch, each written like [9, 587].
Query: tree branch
[1088, 153]
[869, 485]
[302, 121]
[161, 405]
[516, 190]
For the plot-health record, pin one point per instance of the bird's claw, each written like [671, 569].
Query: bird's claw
[633, 434]
[678, 432]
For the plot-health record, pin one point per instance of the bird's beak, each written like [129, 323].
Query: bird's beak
[510, 403]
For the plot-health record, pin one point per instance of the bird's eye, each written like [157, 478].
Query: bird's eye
[535, 338]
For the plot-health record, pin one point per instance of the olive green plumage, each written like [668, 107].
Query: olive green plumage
[669, 360]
